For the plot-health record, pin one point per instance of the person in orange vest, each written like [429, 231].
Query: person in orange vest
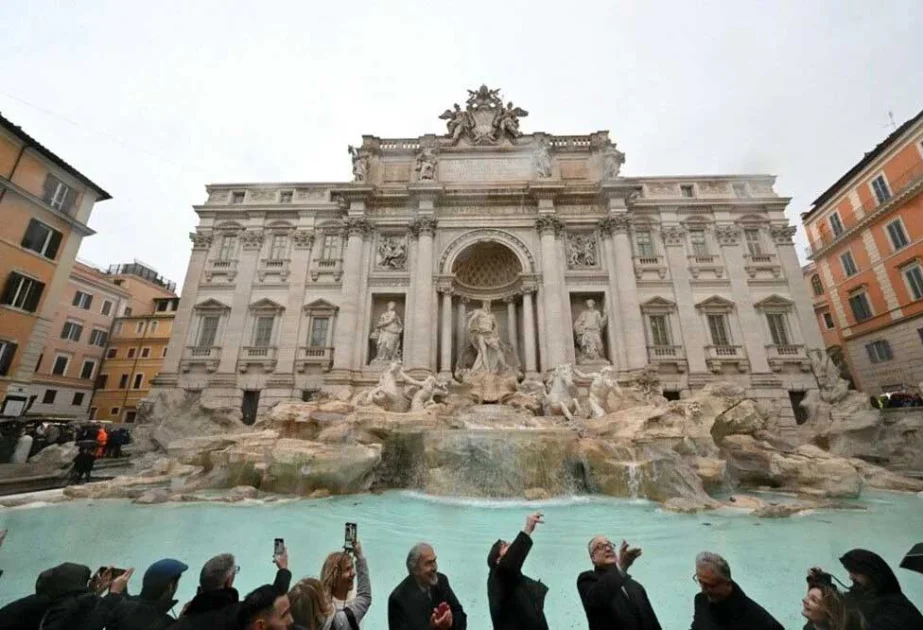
[101, 438]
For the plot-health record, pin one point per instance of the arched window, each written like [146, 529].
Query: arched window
[816, 285]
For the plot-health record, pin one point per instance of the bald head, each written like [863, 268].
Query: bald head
[602, 552]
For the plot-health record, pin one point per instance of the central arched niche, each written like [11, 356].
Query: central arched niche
[487, 270]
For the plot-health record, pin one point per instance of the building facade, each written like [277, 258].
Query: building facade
[73, 353]
[866, 244]
[297, 287]
[45, 204]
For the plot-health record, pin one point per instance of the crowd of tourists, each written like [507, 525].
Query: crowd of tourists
[68, 597]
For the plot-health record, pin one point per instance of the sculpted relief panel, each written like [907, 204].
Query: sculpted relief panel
[485, 169]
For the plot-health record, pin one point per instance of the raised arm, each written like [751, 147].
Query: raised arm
[361, 603]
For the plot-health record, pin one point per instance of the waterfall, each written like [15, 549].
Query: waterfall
[634, 480]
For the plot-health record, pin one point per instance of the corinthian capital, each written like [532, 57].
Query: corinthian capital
[782, 234]
[727, 234]
[673, 235]
[613, 224]
[357, 226]
[200, 240]
[303, 239]
[548, 223]
[423, 225]
[251, 239]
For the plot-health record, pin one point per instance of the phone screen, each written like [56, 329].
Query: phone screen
[278, 548]
[115, 572]
[351, 533]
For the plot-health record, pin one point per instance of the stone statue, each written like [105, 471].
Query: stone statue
[602, 384]
[833, 388]
[507, 121]
[425, 396]
[542, 159]
[387, 336]
[561, 393]
[485, 120]
[612, 162]
[388, 393]
[482, 335]
[392, 253]
[425, 165]
[457, 122]
[589, 333]
[360, 164]
[582, 251]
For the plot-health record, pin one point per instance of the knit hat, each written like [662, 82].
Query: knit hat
[159, 575]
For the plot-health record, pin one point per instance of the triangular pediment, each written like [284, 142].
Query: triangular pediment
[716, 303]
[211, 304]
[265, 304]
[658, 304]
[774, 301]
[320, 305]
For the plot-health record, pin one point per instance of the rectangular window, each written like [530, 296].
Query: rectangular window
[139, 379]
[114, 412]
[879, 351]
[118, 328]
[50, 395]
[897, 235]
[660, 330]
[99, 337]
[277, 247]
[107, 308]
[41, 239]
[319, 327]
[139, 329]
[285, 196]
[127, 313]
[152, 328]
[816, 285]
[698, 242]
[208, 331]
[71, 331]
[60, 365]
[145, 353]
[101, 381]
[78, 399]
[57, 194]
[130, 416]
[828, 320]
[861, 309]
[880, 188]
[849, 265]
[913, 275]
[228, 247]
[262, 331]
[112, 353]
[87, 370]
[123, 381]
[717, 326]
[331, 247]
[22, 292]
[754, 246]
[686, 190]
[131, 353]
[836, 224]
[7, 350]
[777, 329]
[82, 300]
[644, 243]
[237, 196]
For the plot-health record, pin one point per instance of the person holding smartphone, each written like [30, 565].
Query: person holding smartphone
[517, 602]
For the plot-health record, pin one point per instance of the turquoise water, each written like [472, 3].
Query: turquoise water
[769, 558]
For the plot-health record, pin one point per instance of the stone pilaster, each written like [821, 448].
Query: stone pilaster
[791, 269]
[616, 224]
[549, 227]
[445, 363]
[176, 348]
[423, 316]
[235, 334]
[528, 334]
[347, 335]
[288, 340]
[694, 340]
[511, 323]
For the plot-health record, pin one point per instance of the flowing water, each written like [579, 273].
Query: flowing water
[769, 557]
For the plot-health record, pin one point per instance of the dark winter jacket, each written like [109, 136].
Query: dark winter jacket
[218, 609]
[882, 604]
[119, 612]
[737, 612]
[410, 608]
[614, 601]
[517, 602]
[72, 602]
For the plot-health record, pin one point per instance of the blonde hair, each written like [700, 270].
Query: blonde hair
[332, 571]
[308, 604]
[839, 616]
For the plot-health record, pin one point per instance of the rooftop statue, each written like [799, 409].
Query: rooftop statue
[485, 119]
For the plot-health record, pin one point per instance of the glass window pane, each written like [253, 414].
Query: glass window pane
[777, 329]
[319, 327]
[660, 335]
[207, 331]
[718, 330]
[262, 335]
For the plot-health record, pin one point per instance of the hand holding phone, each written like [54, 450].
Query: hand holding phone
[351, 534]
[280, 553]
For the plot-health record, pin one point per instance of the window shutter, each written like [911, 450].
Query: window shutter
[53, 244]
[35, 296]
[6, 357]
[48, 188]
[9, 291]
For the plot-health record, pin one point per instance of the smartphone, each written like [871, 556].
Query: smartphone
[115, 572]
[351, 533]
[278, 548]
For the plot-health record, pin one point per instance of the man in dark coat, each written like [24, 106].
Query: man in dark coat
[424, 600]
[217, 603]
[150, 609]
[517, 602]
[877, 593]
[76, 599]
[722, 604]
[611, 599]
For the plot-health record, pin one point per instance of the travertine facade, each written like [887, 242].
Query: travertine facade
[295, 287]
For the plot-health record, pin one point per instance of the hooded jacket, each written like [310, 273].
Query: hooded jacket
[218, 609]
[614, 601]
[882, 603]
[147, 611]
[517, 602]
[27, 613]
[72, 601]
[737, 612]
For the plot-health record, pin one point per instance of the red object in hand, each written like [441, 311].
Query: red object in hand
[443, 608]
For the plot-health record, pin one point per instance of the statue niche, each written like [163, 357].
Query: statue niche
[387, 332]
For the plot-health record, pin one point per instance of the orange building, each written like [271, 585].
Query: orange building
[45, 204]
[866, 244]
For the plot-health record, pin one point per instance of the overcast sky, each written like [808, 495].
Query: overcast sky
[152, 100]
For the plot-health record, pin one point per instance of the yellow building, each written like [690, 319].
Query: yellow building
[45, 204]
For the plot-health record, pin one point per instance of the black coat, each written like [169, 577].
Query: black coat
[614, 601]
[218, 609]
[737, 612]
[883, 604]
[409, 608]
[25, 613]
[118, 612]
[517, 602]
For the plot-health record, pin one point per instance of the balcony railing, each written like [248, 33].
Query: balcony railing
[760, 259]
[314, 355]
[222, 265]
[717, 356]
[702, 259]
[209, 356]
[780, 354]
[665, 351]
[719, 352]
[204, 352]
[327, 265]
[908, 181]
[275, 266]
[257, 355]
[648, 261]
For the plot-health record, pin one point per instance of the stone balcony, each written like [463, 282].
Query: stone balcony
[717, 357]
[788, 354]
[272, 267]
[667, 355]
[333, 266]
[264, 356]
[648, 266]
[705, 263]
[762, 266]
[215, 267]
[206, 356]
[320, 356]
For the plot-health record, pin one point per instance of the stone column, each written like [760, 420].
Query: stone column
[423, 316]
[549, 227]
[236, 334]
[288, 339]
[461, 335]
[752, 328]
[511, 323]
[674, 238]
[613, 305]
[445, 364]
[528, 334]
[182, 323]
[804, 305]
[346, 333]
[629, 305]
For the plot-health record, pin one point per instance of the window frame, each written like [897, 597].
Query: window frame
[227, 247]
[138, 381]
[75, 402]
[312, 329]
[640, 244]
[62, 196]
[836, 227]
[238, 197]
[124, 381]
[72, 330]
[779, 332]
[106, 308]
[754, 243]
[91, 362]
[654, 333]
[817, 285]
[863, 294]
[903, 232]
[885, 195]
[914, 288]
[725, 328]
[26, 300]
[53, 396]
[200, 329]
[879, 351]
[827, 318]
[695, 244]
[255, 339]
[7, 352]
[852, 261]
[79, 300]
[54, 364]
[145, 352]
[286, 196]
[331, 247]
[53, 236]
[683, 188]
[112, 353]
[98, 337]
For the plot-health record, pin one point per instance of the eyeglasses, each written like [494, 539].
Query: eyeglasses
[604, 546]
[236, 569]
[706, 585]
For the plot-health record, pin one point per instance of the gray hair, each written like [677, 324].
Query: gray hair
[413, 556]
[713, 562]
[216, 571]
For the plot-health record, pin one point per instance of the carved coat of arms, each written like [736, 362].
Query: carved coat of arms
[485, 119]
